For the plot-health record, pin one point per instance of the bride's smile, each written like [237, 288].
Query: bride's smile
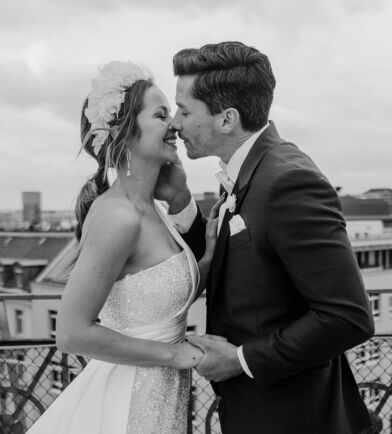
[157, 141]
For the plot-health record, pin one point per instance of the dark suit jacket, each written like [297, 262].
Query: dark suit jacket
[289, 290]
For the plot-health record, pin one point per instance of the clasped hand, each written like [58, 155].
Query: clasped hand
[220, 361]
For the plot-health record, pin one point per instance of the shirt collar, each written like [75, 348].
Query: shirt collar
[233, 167]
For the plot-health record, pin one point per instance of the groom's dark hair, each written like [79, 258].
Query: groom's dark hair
[230, 74]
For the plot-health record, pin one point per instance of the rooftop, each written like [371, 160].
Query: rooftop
[365, 209]
[17, 246]
[379, 190]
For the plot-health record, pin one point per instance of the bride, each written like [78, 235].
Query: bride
[134, 272]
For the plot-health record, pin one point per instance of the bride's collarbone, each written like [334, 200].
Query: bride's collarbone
[154, 234]
[155, 244]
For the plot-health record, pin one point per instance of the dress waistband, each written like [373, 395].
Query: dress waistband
[171, 330]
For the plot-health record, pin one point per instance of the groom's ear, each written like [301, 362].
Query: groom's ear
[229, 119]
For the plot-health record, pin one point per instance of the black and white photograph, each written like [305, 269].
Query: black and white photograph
[196, 217]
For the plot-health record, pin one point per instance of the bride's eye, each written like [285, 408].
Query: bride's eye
[162, 115]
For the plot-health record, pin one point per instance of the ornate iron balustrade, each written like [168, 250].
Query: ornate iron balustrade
[33, 373]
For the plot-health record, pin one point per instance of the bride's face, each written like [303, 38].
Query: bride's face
[157, 141]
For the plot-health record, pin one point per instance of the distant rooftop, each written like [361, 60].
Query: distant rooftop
[32, 245]
[379, 190]
[365, 208]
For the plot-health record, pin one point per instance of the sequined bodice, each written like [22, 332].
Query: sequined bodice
[150, 295]
[160, 394]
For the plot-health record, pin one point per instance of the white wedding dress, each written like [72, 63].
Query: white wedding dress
[106, 398]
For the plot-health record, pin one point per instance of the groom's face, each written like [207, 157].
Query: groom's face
[194, 122]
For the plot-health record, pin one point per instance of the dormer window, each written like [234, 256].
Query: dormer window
[19, 329]
[41, 241]
[18, 277]
[52, 323]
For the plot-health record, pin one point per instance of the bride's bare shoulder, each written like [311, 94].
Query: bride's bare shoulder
[114, 217]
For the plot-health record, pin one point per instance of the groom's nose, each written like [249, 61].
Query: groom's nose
[175, 124]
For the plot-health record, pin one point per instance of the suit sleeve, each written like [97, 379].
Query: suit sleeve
[195, 237]
[307, 231]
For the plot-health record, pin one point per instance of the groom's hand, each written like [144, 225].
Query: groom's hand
[172, 188]
[220, 361]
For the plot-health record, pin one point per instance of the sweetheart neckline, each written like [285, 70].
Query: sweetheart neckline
[129, 275]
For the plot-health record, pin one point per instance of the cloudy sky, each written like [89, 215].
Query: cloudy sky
[331, 58]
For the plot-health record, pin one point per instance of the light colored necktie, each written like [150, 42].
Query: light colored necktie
[224, 178]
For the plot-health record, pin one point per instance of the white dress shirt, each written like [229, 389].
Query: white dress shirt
[184, 219]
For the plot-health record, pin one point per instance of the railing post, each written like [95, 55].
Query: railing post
[64, 370]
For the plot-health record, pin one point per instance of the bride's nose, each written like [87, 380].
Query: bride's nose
[174, 124]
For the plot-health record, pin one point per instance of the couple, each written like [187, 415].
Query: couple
[285, 297]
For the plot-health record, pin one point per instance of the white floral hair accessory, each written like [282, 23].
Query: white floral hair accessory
[107, 95]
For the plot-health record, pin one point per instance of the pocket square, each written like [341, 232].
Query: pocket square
[236, 224]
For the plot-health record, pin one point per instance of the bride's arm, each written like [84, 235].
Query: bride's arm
[110, 240]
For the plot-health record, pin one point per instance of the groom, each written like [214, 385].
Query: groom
[284, 287]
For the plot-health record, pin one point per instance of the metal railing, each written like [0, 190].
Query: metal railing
[33, 373]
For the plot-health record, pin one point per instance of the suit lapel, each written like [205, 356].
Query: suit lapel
[263, 144]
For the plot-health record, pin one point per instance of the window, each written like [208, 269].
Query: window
[52, 323]
[371, 396]
[372, 258]
[1, 275]
[368, 354]
[375, 305]
[13, 366]
[390, 305]
[365, 259]
[56, 372]
[19, 278]
[383, 257]
[55, 377]
[19, 322]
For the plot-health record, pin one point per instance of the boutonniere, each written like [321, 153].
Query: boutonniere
[231, 202]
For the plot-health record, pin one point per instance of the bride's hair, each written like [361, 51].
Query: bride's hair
[123, 129]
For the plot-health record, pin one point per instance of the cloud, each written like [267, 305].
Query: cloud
[329, 57]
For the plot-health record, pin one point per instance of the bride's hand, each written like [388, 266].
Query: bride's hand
[172, 187]
[212, 229]
[186, 356]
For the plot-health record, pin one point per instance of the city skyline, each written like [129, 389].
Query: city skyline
[328, 58]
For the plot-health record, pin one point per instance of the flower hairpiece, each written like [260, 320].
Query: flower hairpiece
[107, 95]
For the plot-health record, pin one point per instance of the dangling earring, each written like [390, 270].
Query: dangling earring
[129, 162]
